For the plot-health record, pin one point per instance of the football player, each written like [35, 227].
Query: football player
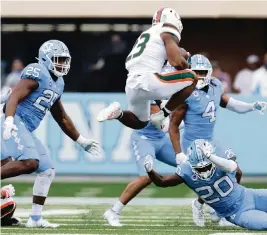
[145, 81]
[8, 206]
[145, 142]
[38, 91]
[213, 179]
[199, 113]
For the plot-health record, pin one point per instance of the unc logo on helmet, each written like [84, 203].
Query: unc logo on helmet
[55, 56]
[200, 165]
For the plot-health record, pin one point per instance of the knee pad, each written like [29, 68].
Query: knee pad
[42, 182]
[8, 207]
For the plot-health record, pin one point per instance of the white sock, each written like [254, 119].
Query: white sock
[117, 207]
[198, 205]
[37, 209]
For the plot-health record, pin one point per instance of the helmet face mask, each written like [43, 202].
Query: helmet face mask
[200, 165]
[202, 66]
[61, 65]
[55, 56]
[204, 172]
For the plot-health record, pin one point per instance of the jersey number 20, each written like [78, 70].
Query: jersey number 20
[216, 187]
[139, 46]
[210, 111]
[49, 98]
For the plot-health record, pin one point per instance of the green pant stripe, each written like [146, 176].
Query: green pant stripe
[176, 76]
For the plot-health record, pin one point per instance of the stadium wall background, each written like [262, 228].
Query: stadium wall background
[245, 134]
[227, 40]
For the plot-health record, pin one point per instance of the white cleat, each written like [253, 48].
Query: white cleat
[113, 218]
[198, 214]
[213, 215]
[158, 119]
[224, 223]
[41, 223]
[113, 111]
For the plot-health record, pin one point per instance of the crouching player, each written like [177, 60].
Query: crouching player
[38, 91]
[212, 178]
[145, 142]
[8, 206]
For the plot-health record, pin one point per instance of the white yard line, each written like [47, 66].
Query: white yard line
[96, 201]
[25, 213]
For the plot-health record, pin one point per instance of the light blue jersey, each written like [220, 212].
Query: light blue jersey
[200, 117]
[221, 191]
[244, 207]
[30, 112]
[33, 108]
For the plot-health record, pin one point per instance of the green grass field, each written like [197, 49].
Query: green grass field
[146, 219]
[143, 220]
[101, 189]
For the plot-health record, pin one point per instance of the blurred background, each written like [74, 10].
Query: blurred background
[100, 34]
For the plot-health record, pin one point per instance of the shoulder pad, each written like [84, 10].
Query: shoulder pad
[216, 82]
[33, 71]
[170, 28]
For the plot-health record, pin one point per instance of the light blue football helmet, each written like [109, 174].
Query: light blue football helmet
[55, 56]
[199, 62]
[200, 165]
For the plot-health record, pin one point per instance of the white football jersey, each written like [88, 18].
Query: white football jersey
[149, 54]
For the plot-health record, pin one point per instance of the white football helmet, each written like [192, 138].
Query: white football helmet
[168, 15]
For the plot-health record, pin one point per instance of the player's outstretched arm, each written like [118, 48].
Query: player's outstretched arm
[240, 106]
[20, 92]
[62, 118]
[157, 179]
[174, 54]
[227, 165]
[175, 120]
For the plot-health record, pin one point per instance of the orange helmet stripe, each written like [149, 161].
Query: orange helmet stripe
[158, 16]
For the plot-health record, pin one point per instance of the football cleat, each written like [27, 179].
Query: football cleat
[113, 218]
[224, 223]
[41, 223]
[213, 215]
[198, 214]
[113, 111]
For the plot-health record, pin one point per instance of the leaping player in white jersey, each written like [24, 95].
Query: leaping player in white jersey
[145, 81]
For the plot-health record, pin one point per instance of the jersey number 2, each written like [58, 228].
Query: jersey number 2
[140, 44]
[210, 111]
[216, 186]
[49, 98]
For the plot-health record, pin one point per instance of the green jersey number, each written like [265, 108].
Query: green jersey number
[140, 44]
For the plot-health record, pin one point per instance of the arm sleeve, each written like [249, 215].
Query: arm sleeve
[226, 165]
[239, 106]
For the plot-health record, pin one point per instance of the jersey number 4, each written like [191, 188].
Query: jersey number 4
[49, 97]
[216, 186]
[139, 46]
[210, 111]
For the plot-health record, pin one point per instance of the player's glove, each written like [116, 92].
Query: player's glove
[89, 145]
[180, 158]
[7, 191]
[148, 163]
[207, 149]
[260, 106]
[9, 126]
